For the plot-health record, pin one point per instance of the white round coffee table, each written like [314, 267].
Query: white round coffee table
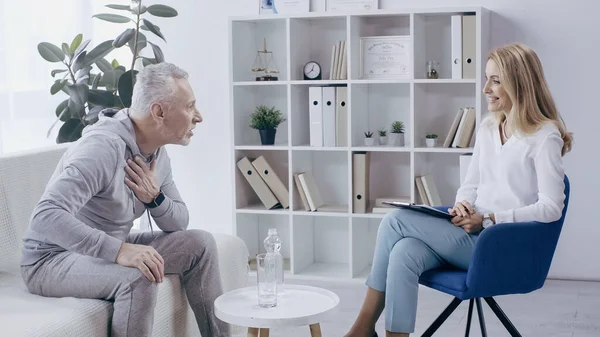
[298, 305]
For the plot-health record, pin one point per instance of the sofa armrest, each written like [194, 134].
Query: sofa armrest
[511, 258]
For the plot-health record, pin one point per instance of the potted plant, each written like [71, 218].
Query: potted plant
[369, 140]
[397, 134]
[382, 137]
[431, 140]
[266, 120]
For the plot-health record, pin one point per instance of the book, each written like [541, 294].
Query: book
[421, 208]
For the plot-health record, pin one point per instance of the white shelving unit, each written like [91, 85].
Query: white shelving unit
[339, 245]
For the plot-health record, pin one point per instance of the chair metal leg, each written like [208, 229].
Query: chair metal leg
[481, 319]
[469, 317]
[442, 318]
[502, 317]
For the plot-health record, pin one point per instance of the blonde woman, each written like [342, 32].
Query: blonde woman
[516, 174]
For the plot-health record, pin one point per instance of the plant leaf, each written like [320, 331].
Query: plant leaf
[70, 131]
[50, 52]
[154, 29]
[65, 49]
[79, 93]
[126, 87]
[162, 11]
[123, 38]
[98, 52]
[79, 60]
[148, 61]
[158, 54]
[57, 86]
[119, 7]
[81, 47]
[115, 18]
[92, 116]
[83, 75]
[103, 98]
[141, 43]
[62, 110]
[57, 71]
[75, 43]
[104, 65]
[96, 80]
[114, 63]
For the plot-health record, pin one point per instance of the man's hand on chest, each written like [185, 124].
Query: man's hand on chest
[141, 179]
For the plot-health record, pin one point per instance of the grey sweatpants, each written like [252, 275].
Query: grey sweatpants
[191, 254]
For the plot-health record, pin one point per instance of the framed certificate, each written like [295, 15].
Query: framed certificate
[351, 5]
[386, 57]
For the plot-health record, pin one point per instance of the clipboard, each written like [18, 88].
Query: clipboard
[420, 208]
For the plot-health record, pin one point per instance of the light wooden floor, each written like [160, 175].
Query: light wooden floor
[559, 309]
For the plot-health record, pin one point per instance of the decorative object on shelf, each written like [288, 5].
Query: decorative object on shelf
[431, 140]
[382, 137]
[351, 5]
[265, 62]
[312, 70]
[385, 57]
[90, 92]
[396, 137]
[432, 69]
[283, 6]
[369, 140]
[266, 120]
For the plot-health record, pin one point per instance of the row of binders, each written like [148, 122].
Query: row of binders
[339, 61]
[328, 115]
[462, 129]
[264, 181]
[464, 40]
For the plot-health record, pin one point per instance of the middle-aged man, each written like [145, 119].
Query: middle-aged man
[79, 243]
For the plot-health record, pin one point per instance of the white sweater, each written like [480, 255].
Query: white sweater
[519, 181]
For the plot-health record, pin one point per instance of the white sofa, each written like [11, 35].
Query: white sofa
[23, 178]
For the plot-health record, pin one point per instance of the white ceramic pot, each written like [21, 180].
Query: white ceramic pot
[369, 141]
[396, 139]
[430, 142]
[382, 140]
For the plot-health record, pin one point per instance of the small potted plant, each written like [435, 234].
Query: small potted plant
[397, 134]
[382, 137]
[266, 120]
[369, 140]
[431, 140]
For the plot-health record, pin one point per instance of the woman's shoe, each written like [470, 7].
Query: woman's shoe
[375, 335]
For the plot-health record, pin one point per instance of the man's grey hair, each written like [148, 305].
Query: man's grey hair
[155, 83]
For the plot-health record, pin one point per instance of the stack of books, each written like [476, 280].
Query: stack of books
[462, 129]
[264, 181]
[339, 61]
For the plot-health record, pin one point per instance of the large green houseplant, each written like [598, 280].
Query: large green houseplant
[110, 84]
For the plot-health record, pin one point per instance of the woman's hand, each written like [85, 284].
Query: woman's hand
[462, 209]
[472, 224]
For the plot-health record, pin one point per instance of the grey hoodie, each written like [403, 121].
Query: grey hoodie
[87, 208]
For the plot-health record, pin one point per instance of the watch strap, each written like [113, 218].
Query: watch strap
[157, 201]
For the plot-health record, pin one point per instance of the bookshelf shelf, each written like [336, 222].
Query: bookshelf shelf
[336, 240]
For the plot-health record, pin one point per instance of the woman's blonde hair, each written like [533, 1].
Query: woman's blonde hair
[522, 77]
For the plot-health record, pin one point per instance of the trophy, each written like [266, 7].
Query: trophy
[265, 63]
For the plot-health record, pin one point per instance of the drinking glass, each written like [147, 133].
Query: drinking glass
[266, 274]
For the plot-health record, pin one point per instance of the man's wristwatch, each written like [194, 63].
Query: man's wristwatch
[157, 201]
[487, 221]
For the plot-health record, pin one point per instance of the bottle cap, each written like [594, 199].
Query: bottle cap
[272, 231]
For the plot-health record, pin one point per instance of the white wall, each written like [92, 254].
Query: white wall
[564, 33]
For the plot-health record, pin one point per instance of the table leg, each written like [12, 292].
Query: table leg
[256, 332]
[315, 330]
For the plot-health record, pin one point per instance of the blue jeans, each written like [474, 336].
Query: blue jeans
[409, 243]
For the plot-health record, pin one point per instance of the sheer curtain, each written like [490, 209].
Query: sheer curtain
[27, 109]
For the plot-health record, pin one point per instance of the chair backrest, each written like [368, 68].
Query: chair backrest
[23, 179]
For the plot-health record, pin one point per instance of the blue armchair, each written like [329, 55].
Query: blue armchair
[507, 259]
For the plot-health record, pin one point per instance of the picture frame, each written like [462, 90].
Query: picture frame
[386, 57]
[351, 5]
[283, 6]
